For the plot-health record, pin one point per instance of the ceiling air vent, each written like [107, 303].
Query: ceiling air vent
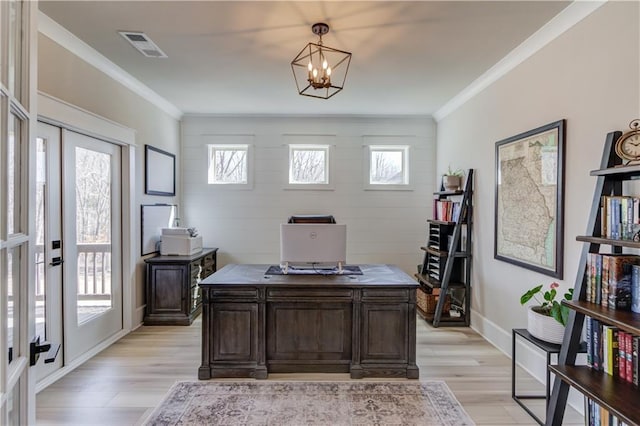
[143, 44]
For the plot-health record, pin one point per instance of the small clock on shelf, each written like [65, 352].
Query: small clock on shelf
[628, 145]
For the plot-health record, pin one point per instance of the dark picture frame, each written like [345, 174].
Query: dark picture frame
[160, 172]
[529, 199]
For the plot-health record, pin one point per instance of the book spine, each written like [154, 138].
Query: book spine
[635, 289]
[604, 338]
[603, 216]
[597, 292]
[604, 297]
[615, 219]
[636, 343]
[589, 325]
[622, 356]
[614, 346]
[590, 274]
[628, 362]
[595, 333]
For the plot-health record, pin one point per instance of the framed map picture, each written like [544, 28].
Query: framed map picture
[529, 199]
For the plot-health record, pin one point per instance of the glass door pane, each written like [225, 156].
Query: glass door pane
[40, 258]
[13, 174]
[15, 48]
[13, 303]
[93, 232]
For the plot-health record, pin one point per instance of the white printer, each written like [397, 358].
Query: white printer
[180, 242]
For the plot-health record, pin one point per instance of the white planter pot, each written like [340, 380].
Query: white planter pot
[451, 183]
[544, 327]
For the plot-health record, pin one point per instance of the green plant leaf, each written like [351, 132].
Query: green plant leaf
[569, 294]
[556, 312]
[565, 315]
[550, 295]
[529, 294]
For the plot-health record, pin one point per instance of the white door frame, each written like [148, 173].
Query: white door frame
[65, 115]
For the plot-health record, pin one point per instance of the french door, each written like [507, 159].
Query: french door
[17, 124]
[78, 278]
[92, 289]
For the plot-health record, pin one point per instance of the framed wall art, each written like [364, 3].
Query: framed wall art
[529, 185]
[154, 217]
[160, 172]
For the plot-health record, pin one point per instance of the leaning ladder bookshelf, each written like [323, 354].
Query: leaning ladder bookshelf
[446, 264]
[615, 395]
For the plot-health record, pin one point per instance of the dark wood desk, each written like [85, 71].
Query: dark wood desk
[254, 324]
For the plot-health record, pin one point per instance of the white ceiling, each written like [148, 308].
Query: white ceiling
[233, 57]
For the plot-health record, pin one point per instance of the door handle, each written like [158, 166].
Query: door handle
[56, 261]
[35, 349]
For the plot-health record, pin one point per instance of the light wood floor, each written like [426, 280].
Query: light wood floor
[122, 384]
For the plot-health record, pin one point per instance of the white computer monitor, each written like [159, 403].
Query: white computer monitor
[313, 245]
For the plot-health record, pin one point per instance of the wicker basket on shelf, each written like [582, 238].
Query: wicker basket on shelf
[427, 302]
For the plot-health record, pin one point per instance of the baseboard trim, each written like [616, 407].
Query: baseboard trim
[139, 318]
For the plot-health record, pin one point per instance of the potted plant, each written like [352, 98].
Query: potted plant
[452, 179]
[547, 320]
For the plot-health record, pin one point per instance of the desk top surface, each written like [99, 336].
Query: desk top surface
[372, 275]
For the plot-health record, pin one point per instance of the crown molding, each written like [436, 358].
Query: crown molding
[66, 39]
[567, 18]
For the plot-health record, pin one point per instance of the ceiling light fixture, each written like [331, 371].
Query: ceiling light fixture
[320, 71]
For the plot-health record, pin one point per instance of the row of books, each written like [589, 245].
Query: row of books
[613, 281]
[612, 351]
[446, 210]
[600, 416]
[620, 217]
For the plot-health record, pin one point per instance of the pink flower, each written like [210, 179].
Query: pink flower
[554, 285]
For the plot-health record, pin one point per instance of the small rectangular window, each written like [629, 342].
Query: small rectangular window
[388, 165]
[228, 164]
[309, 164]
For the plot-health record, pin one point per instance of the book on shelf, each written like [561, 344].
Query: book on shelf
[620, 271]
[635, 288]
[598, 415]
[612, 351]
[611, 280]
[634, 359]
[446, 210]
[622, 355]
[620, 217]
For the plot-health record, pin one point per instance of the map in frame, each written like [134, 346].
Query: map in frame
[528, 199]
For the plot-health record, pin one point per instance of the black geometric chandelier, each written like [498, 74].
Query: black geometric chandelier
[320, 71]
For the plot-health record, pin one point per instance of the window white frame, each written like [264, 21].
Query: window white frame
[326, 182]
[222, 147]
[404, 150]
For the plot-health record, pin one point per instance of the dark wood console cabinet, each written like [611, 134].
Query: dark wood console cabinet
[173, 295]
[254, 324]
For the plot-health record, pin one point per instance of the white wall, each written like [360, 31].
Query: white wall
[382, 226]
[589, 76]
[67, 77]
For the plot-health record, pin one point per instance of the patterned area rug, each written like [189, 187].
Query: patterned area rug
[310, 403]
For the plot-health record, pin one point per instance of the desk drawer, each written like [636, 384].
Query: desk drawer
[308, 294]
[234, 294]
[385, 295]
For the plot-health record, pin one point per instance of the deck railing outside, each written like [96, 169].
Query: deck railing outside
[94, 271]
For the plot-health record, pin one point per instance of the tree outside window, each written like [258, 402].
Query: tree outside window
[388, 165]
[309, 164]
[228, 164]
